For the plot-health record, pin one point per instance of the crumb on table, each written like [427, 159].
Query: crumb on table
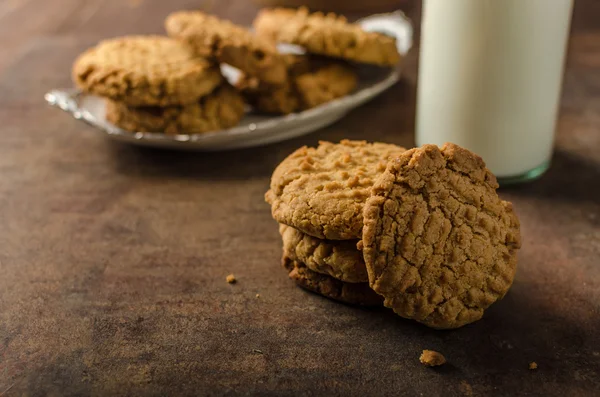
[258, 295]
[231, 279]
[432, 358]
[533, 365]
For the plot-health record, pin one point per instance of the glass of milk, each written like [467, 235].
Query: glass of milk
[490, 78]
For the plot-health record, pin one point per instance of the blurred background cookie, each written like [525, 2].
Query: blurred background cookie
[223, 108]
[327, 34]
[145, 71]
[339, 5]
[311, 81]
[235, 45]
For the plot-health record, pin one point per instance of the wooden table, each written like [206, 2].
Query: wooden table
[113, 258]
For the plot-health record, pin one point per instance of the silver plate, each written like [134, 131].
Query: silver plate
[253, 130]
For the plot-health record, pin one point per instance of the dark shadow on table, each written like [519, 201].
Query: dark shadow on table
[570, 178]
[514, 332]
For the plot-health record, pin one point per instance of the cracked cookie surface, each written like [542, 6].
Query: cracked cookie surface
[338, 259]
[352, 293]
[235, 45]
[321, 191]
[223, 108]
[145, 71]
[327, 34]
[439, 244]
[310, 82]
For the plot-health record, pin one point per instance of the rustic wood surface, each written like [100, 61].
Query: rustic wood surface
[113, 258]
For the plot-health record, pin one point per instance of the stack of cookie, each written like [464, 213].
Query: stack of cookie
[174, 84]
[325, 72]
[154, 83]
[421, 231]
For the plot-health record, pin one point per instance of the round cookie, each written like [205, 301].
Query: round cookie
[439, 244]
[321, 191]
[145, 71]
[223, 108]
[311, 82]
[338, 259]
[352, 293]
[327, 34]
[210, 36]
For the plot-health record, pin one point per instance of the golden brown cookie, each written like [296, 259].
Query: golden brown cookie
[311, 82]
[439, 244]
[321, 191]
[327, 34]
[353, 293]
[338, 259]
[210, 36]
[223, 108]
[145, 71]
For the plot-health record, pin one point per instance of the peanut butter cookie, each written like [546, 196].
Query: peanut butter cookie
[327, 34]
[321, 191]
[439, 244]
[338, 259]
[224, 108]
[353, 293]
[235, 45]
[145, 71]
[310, 83]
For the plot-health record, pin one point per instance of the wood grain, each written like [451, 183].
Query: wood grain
[113, 258]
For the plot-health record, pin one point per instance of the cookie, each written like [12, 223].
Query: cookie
[311, 82]
[327, 34]
[338, 259]
[145, 71]
[224, 108]
[353, 293]
[321, 191]
[439, 244]
[210, 36]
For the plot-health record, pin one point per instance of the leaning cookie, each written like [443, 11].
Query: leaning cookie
[145, 71]
[352, 293]
[439, 244]
[310, 83]
[321, 191]
[210, 36]
[327, 34]
[338, 259]
[224, 108]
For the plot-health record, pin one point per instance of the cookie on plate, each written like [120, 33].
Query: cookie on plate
[145, 71]
[235, 45]
[321, 191]
[353, 293]
[439, 244]
[311, 82]
[327, 34]
[338, 259]
[223, 108]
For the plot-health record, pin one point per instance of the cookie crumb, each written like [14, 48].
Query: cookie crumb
[258, 295]
[432, 358]
[533, 365]
[231, 279]
[465, 388]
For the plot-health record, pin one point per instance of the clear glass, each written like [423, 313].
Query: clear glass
[490, 78]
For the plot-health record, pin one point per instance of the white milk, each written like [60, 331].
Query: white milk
[490, 77]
